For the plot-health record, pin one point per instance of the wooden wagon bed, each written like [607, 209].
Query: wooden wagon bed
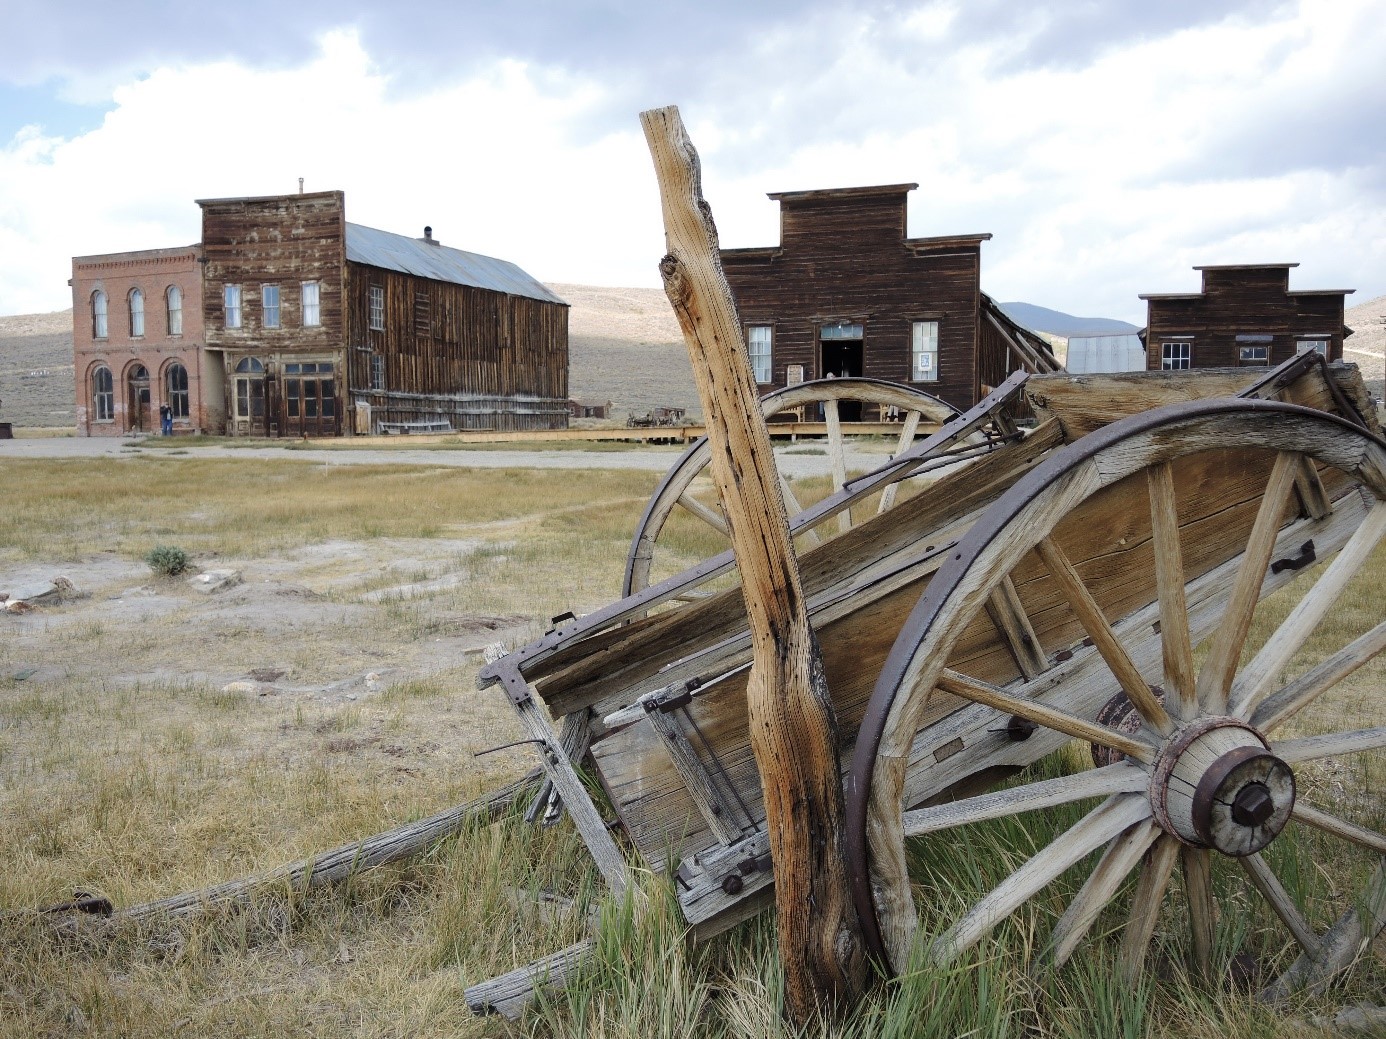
[654, 685]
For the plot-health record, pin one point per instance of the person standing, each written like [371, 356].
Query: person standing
[166, 420]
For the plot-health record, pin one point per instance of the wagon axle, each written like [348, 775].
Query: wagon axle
[1217, 785]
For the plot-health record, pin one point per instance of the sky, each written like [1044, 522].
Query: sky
[1109, 147]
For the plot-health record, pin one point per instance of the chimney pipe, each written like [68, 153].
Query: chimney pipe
[300, 185]
[428, 236]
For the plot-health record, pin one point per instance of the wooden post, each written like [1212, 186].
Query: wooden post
[793, 730]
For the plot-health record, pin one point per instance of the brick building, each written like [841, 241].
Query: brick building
[138, 343]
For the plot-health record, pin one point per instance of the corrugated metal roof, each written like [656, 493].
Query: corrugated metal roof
[441, 263]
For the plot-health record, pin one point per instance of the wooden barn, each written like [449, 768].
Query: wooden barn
[846, 292]
[325, 327]
[1245, 314]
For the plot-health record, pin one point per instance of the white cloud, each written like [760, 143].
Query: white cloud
[1101, 176]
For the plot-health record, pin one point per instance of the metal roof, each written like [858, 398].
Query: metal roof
[422, 259]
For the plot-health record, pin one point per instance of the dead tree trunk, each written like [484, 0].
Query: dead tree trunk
[793, 731]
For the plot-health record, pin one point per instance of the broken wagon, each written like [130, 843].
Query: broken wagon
[1074, 558]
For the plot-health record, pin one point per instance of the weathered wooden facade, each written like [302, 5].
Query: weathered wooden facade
[325, 327]
[138, 345]
[1245, 314]
[847, 293]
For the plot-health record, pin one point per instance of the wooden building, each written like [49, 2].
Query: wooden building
[324, 327]
[847, 293]
[1245, 314]
[137, 344]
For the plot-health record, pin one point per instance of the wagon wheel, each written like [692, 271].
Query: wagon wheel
[914, 406]
[1203, 769]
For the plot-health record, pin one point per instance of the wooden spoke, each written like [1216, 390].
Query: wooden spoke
[1296, 695]
[1279, 900]
[1145, 906]
[1120, 777]
[1254, 683]
[1359, 835]
[1215, 678]
[1091, 832]
[1008, 614]
[792, 506]
[1198, 886]
[1090, 615]
[1120, 858]
[1332, 745]
[711, 518]
[907, 434]
[1051, 718]
[1180, 677]
[837, 453]
[1343, 943]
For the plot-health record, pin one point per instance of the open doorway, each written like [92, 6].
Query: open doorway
[137, 400]
[840, 355]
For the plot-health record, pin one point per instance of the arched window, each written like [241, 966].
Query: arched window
[102, 394]
[176, 389]
[136, 312]
[250, 364]
[98, 315]
[174, 298]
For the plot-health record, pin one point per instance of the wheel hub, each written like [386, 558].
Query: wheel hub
[1217, 785]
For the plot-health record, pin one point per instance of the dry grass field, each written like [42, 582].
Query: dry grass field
[155, 740]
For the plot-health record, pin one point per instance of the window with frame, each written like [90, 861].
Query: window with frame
[231, 306]
[99, 327]
[269, 306]
[312, 313]
[377, 371]
[1250, 356]
[173, 302]
[1319, 346]
[423, 314]
[376, 316]
[924, 351]
[1176, 356]
[759, 341]
[176, 390]
[136, 313]
[102, 394]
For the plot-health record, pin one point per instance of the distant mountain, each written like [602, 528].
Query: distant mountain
[1055, 322]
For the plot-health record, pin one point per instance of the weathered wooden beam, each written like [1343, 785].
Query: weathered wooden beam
[793, 731]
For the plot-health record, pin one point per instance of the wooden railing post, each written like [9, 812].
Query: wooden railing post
[793, 730]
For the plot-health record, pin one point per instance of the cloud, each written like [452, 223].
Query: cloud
[1107, 147]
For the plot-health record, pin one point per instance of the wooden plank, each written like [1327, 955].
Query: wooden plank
[510, 994]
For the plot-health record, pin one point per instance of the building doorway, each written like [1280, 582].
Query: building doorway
[137, 407]
[248, 402]
[841, 355]
[310, 399]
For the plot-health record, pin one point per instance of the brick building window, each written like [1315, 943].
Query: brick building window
[173, 300]
[231, 305]
[136, 313]
[312, 314]
[759, 342]
[176, 390]
[99, 328]
[376, 321]
[1176, 356]
[924, 352]
[102, 394]
[269, 306]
